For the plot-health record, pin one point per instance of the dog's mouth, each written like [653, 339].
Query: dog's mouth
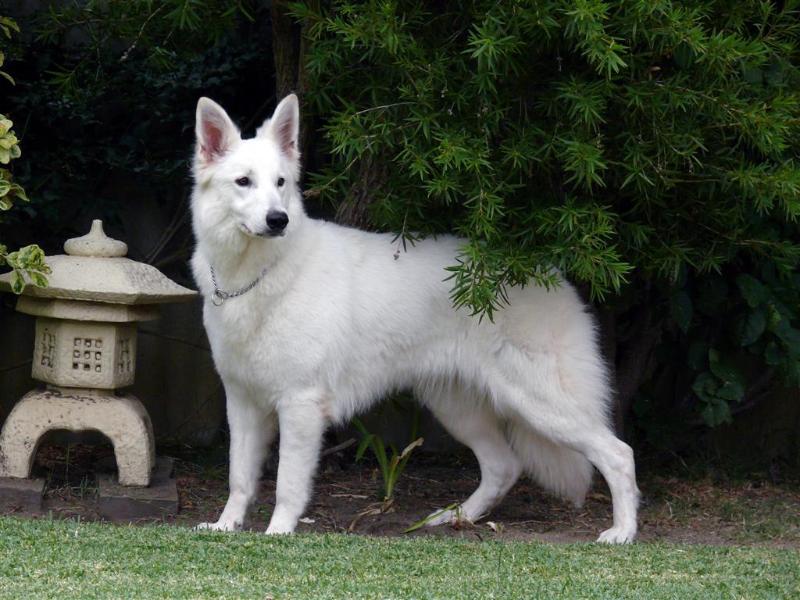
[261, 234]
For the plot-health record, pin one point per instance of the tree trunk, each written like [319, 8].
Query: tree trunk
[633, 355]
[285, 49]
[288, 51]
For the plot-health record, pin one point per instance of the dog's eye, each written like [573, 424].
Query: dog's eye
[243, 181]
[281, 181]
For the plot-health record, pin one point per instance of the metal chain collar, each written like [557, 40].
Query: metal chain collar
[219, 296]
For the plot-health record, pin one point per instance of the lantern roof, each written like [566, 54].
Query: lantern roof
[95, 269]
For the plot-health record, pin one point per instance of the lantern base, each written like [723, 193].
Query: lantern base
[120, 503]
[21, 495]
[122, 419]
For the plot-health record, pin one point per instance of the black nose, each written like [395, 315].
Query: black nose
[277, 220]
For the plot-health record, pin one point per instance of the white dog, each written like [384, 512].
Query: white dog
[310, 323]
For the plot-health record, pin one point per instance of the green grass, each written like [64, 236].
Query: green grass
[65, 559]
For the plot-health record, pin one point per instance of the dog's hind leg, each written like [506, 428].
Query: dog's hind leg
[556, 467]
[553, 401]
[252, 430]
[471, 421]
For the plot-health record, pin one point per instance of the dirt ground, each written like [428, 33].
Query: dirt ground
[706, 509]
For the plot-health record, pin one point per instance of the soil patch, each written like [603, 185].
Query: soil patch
[749, 511]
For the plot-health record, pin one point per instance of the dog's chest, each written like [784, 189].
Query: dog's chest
[257, 344]
[236, 333]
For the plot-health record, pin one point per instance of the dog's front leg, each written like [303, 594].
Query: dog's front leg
[252, 429]
[302, 422]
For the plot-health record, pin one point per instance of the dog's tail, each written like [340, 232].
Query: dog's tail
[560, 470]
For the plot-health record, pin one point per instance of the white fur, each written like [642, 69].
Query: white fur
[338, 322]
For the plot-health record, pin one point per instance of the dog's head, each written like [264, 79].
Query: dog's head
[246, 187]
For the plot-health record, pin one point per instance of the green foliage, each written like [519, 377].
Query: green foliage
[9, 150]
[9, 146]
[391, 464]
[162, 32]
[27, 264]
[753, 318]
[7, 27]
[632, 146]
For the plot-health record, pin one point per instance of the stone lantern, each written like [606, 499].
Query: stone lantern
[85, 350]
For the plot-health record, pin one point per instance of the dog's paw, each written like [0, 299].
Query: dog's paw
[218, 526]
[274, 529]
[281, 526]
[617, 535]
[447, 516]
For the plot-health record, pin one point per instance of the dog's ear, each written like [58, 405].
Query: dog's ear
[284, 127]
[216, 133]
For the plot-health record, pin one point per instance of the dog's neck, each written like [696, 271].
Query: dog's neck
[240, 259]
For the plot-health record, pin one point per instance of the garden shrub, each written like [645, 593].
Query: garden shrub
[648, 149]
[26, 264]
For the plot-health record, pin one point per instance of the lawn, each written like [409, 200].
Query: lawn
[67, 559]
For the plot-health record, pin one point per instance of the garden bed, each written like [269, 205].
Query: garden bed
[748, 510]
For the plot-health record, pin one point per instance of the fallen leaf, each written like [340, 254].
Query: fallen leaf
[496, 527]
